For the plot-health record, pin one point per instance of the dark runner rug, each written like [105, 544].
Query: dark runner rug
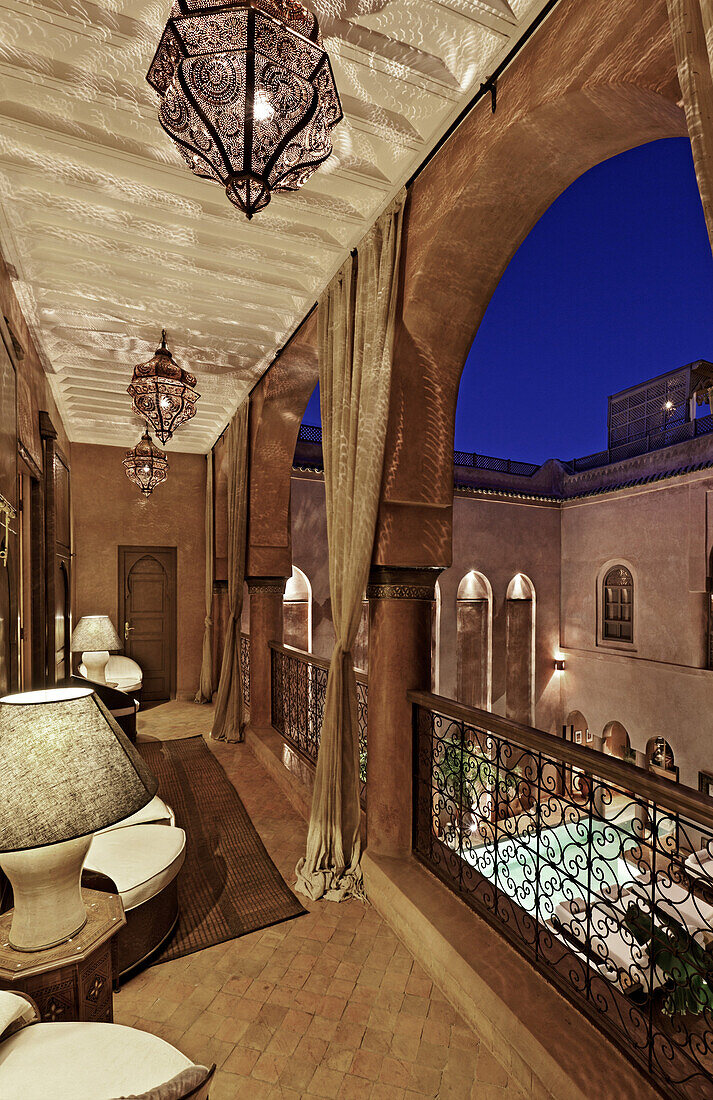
[228, 885]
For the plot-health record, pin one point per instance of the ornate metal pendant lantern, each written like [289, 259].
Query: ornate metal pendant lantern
[247, 94]
[163, 393]
[145, 465]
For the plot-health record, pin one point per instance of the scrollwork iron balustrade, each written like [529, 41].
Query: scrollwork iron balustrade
[245, 666]
[299, 691]
[601, 874]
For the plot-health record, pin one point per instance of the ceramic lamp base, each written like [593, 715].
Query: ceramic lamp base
[95, 664]
[46, 883]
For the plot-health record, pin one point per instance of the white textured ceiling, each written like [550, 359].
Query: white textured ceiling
[113, 238]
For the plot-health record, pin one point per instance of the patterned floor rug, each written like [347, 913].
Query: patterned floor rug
[228, 885]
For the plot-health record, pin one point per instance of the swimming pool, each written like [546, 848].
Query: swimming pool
[542, 869]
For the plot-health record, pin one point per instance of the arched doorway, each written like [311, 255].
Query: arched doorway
[147, 616]
[63, 656]
[520, 650]
[474, 628]
[297, 611]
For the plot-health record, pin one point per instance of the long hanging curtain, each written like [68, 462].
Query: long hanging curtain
[205, 687]
[691, 24]
[356, 336]
[228, 722]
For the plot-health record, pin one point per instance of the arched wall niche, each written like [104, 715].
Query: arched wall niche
[577, 728]
[360, 649]
[585, 89]
[616, 741]
[436, 639]
[297, 611]
[474, 645]
[520, 615]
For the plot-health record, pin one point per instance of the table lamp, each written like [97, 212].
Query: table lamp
[93, 637]
[67, 771]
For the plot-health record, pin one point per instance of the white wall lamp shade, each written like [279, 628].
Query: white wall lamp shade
[94, 636]
[67, 771]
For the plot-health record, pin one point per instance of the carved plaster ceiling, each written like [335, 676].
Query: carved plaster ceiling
[112, 238]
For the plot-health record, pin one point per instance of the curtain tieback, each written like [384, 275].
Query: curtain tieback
[208, 622]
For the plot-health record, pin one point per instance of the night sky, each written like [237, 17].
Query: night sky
[613, 286]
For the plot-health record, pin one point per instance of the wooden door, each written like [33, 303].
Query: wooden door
[147, 616]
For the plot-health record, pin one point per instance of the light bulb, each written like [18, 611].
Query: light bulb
[262, 108]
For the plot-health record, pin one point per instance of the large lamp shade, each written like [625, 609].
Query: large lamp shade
[94, 636]
[67, 771]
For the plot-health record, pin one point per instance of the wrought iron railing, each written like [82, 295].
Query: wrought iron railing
[299, 690]
[597, 871]
[652, 441]
[245, 666]
[500, 465]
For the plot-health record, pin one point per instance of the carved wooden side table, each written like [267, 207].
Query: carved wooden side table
[74, 980]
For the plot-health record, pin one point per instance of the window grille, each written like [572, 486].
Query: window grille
[618, 605]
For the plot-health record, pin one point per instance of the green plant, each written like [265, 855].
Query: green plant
[687, 967]
[477, 773]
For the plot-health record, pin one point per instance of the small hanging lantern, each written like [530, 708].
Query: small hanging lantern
[163, 393]
[247, 94]
[145, 465]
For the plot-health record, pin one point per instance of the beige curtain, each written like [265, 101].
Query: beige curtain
[205, 687]
[691, 23]
[228, 722]
[356, 335]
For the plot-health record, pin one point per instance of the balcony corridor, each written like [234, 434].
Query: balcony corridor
[329, 1004]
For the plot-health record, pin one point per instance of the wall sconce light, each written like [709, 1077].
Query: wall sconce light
[559, 664]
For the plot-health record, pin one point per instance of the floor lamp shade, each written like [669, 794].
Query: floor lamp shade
[67, 770]
[94, 637]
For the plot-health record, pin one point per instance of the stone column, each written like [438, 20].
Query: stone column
[399, 661]
[265, 627]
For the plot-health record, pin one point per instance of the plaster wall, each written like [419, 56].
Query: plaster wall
[659, 684]
[499, 538]
[109, 511]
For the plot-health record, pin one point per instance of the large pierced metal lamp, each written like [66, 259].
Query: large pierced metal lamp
[163, 393]
[145, 465]
[247, 94]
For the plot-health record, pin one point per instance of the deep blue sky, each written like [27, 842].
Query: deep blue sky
[613, 286]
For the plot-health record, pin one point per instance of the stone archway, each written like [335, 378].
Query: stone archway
[587, 88]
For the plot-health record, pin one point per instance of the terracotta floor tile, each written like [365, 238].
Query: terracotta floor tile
[367, 1064]
[326, 1082]
[328, 1005]
[269, 1067]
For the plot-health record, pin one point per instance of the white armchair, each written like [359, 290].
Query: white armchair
[81, 1061]
[122, 671]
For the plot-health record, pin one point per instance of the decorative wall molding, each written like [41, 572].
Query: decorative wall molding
[390, 583]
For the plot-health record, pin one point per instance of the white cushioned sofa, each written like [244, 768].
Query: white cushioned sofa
[82, 1061]
[139, 858]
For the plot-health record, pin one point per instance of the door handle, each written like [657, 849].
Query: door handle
[127, 628]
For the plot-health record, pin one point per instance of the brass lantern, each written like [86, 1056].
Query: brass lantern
[163, 393]
[145, 465]
[247, 94]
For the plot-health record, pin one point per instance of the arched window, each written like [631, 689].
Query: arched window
[618, 605]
